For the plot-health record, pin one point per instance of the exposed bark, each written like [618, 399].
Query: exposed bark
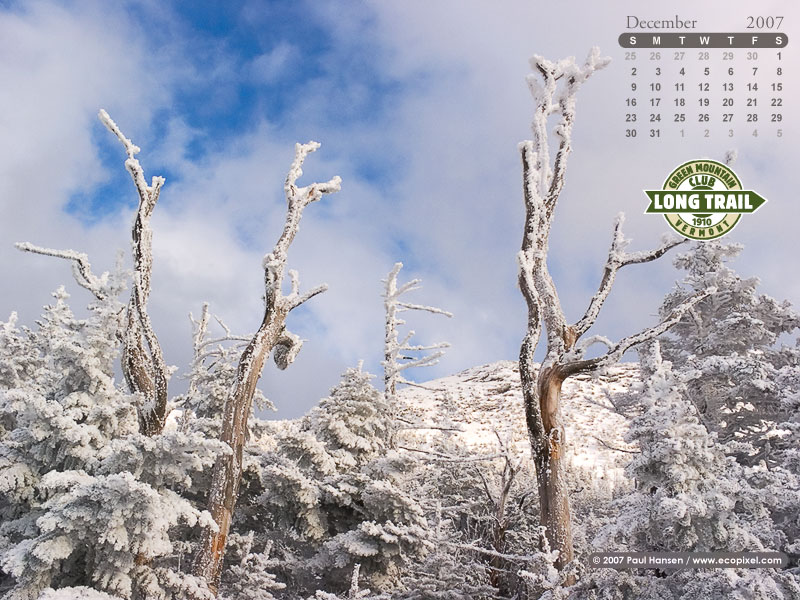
[143, 363]
[564, 357]
[271, 334]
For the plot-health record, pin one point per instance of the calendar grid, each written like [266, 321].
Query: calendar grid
[690, 92]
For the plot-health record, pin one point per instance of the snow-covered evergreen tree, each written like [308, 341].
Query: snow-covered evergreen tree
[447, 573]
[689, 496]
[334, 482]
[86, 499]
[253, 578]
[742, 376]
[731, 343]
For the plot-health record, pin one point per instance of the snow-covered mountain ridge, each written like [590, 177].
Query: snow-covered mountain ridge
[485, 403]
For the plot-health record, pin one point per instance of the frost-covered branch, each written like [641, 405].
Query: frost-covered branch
[615, 353]
[439, 457]
[81, 268]
[549, 100]
[425, 361]
[142, 359]
[430, 309]
[610, 447]
[415, 426]
[409, 383]
[495, 553]
[542, 185]
[271, 336]
[618, 258]
[584, 345]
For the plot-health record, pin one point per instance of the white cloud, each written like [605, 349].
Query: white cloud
[267, 67]
[451, 210]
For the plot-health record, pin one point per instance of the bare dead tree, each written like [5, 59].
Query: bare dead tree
[272, 336]
[142, 360]
[400, 354]
[143, 363]
[564, 357]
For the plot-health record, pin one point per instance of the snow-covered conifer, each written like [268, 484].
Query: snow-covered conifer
[353, 422]
[449, 572]
[87, 499]
[333, 481]
[253, 577]
[689, 497]
[730, 344]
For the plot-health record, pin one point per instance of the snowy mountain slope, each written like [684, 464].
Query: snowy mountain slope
[486, 403]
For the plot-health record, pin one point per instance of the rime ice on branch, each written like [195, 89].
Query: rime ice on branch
[144, 369]
[271, 335]
[142, 360]
[554, 86]
[396, 360]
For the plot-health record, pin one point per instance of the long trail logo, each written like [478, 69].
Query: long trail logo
[703, 200]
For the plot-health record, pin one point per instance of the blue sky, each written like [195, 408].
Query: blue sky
[419, 107]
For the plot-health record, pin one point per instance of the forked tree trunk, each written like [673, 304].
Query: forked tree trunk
[564, 356]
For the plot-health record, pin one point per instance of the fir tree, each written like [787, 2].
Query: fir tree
[87, 500]
[334, 481]
[730, 344]
[689, 496]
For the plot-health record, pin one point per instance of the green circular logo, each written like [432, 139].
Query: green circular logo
[703, 199]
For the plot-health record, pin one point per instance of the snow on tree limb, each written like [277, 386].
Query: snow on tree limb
[542, 185]
[81, 268]
[618, 258]
[148, 195]
[549, 101]
[425, 361]
[431, 309]
[615, 353]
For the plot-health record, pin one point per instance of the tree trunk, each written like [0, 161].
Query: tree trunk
[548, 443]
[227, 473]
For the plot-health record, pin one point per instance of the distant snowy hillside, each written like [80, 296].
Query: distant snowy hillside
[487, 398]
